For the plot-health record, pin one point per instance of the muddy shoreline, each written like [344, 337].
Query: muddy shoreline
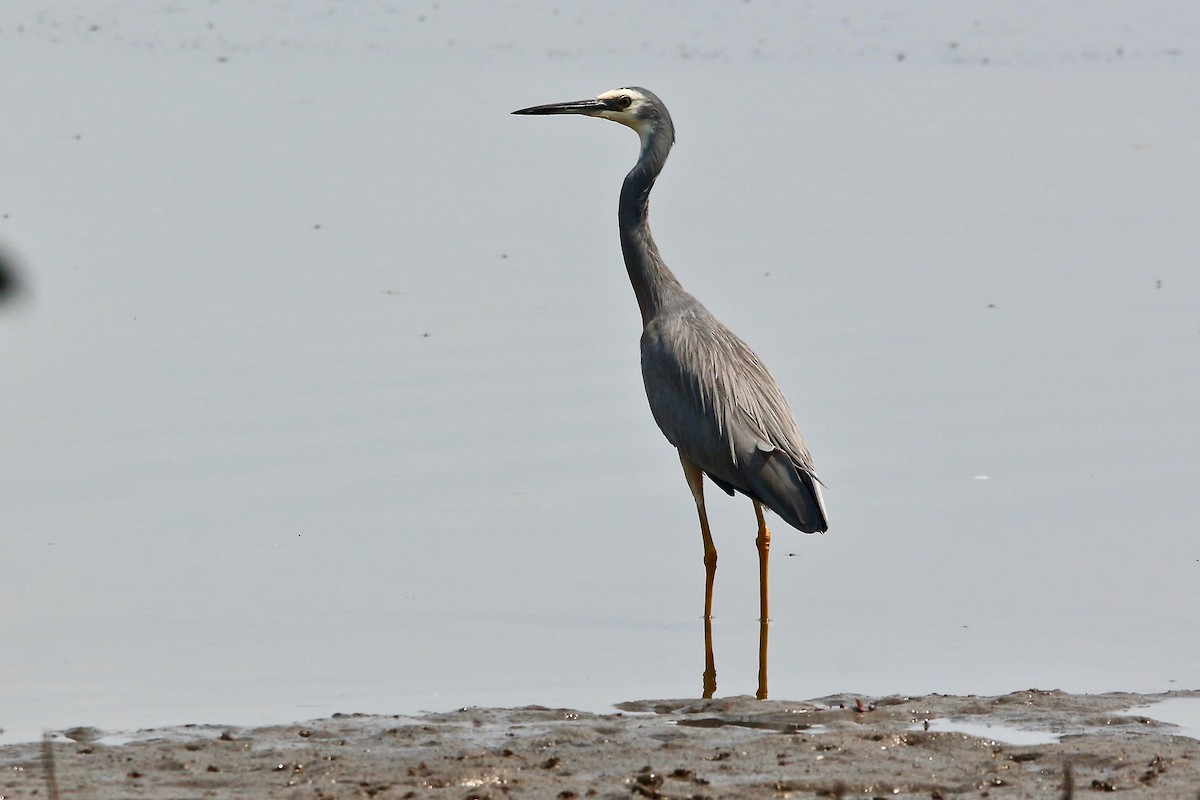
[838, 746]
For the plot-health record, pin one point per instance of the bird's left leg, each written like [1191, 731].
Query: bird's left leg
[695, 479]
[764, 549]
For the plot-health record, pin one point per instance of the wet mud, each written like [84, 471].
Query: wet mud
[839, 746]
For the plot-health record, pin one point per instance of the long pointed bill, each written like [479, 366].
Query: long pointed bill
[587, 107]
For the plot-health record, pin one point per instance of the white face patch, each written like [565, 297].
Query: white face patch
[627, 116]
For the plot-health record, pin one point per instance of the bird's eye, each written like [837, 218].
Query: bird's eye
[624, 101]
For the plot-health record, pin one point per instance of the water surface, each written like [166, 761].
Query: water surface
[323, 394]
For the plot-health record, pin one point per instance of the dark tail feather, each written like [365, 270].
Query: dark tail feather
[790, 492]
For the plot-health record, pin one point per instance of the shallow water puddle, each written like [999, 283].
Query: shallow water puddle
[994, 732]
[1183, 712]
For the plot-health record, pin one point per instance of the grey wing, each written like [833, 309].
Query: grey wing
[714, 400]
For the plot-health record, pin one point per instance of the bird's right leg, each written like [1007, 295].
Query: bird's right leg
[695, 479]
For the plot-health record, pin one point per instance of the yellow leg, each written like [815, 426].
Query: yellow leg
[764, 550]
[695, 479]
[764, 620]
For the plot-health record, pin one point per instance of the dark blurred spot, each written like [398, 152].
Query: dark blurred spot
[10, 278]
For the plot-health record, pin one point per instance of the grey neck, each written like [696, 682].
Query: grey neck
[652, 282]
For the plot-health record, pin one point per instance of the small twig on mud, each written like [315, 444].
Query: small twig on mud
[1068, 779]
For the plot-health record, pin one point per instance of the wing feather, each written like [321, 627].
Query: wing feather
[714, 399]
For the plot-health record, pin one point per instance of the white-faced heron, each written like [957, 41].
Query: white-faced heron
[710, 394]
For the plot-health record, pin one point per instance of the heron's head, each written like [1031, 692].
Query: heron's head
[632, 106]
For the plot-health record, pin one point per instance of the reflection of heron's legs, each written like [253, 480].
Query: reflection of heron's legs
[695, 479]
[764, 548]
[761, 694]
[710, 663]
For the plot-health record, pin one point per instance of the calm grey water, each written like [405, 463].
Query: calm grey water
[324, 395]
